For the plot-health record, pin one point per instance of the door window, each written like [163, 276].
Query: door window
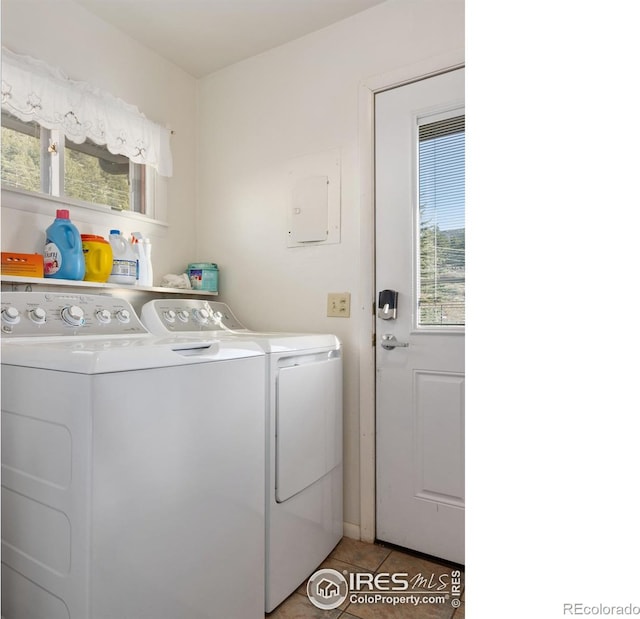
[441, 226]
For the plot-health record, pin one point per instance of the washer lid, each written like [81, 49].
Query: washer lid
[215, 319]
[286, 342]
[104, 355]
[277, 342]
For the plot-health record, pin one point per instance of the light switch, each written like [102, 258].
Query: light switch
[339, 304]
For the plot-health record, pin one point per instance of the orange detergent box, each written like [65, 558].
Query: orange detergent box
[25, 265]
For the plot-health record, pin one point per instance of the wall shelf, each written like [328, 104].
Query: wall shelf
[18, 281]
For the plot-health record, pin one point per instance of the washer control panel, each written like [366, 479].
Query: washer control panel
[37, 314]
[183, 315]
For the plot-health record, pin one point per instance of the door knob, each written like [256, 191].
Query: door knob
[389, 342]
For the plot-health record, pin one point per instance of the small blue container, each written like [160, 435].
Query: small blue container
[203, 276]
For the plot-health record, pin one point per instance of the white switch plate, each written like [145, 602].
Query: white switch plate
[339, 304]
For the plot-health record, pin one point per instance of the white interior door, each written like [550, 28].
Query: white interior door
[419, 171]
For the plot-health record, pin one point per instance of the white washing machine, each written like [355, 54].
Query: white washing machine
[132, 466]
[304, 436]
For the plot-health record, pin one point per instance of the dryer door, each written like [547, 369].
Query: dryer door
[308, 422]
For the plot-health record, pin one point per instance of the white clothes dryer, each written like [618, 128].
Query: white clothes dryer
[132, 466]
[304, 436]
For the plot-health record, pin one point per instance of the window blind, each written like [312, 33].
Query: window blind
[441, 172]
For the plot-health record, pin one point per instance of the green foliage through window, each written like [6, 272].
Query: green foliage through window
[91, 173]
[21, 158]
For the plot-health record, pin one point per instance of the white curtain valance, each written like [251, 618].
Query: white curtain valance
[34, 91]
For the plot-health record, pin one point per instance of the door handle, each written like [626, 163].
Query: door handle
[389, 342]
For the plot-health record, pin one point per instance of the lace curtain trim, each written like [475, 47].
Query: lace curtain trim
[34, 91]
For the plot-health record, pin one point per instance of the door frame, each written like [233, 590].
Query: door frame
[366, 117]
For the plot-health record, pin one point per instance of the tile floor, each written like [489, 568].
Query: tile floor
[354, 556]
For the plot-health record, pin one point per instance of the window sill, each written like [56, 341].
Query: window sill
[45, 205]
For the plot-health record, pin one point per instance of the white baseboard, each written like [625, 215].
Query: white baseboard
[351, 530]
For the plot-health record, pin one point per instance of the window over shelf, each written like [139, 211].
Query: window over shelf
[70, 140]
[34, 161]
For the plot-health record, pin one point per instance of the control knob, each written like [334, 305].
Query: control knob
[73, 315]
[183, 315]
[170, 316]
[11, 315]
[201, 315]
[38, 315]
[103, 316]
[123, 315]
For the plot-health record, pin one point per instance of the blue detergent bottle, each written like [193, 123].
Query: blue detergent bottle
[63, 257]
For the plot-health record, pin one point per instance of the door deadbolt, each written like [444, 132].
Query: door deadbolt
[387, 304]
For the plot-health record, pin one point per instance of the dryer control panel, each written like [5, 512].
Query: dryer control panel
[186, 315]
[38, 314]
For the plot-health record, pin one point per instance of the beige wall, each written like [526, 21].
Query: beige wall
[258, 115]
[63, 34]
[236, 132]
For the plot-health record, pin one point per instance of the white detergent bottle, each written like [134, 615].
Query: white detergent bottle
[124, 260]
[145, 269]
[146, 248]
